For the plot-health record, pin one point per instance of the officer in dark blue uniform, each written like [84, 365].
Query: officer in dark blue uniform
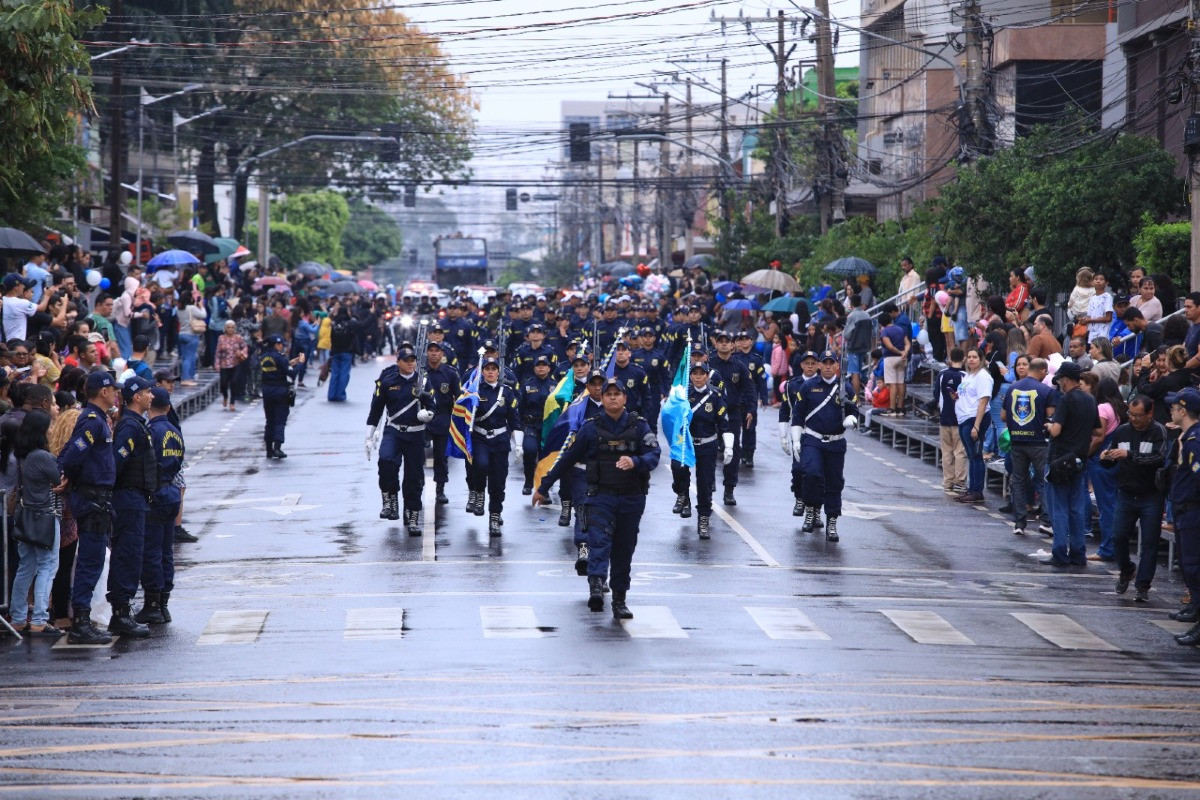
[135, 480]
[652, 361]
[653, 321]
[637, 384]
[604, 331]
[819, 424]
[443, 382]
[529, 352]
[460, 334]
[809, 365]
[533, 393]
[409, 408]
[619, 451]
[709, 428]
[277, 373]
[1185, 503]
[158, 558]
[490, 350]
[743, 348]
[573, 486]
[676, 338]
[87, 463]
[580, 367]
[497, 419]
[437, 335]
[741, 398]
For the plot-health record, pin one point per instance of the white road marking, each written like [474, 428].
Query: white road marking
[233, 627]
[749, 539]
[785, 623]
[926, 627]
[1172, 626]
[509, 622]
[1063, 631]
[653, 622]
[374, 623]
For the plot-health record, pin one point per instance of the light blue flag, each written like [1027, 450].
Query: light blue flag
[677, 418]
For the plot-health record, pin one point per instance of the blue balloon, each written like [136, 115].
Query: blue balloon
[105, 283]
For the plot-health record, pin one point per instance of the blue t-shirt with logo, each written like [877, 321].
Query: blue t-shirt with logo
[948, 381]
[1025, 404]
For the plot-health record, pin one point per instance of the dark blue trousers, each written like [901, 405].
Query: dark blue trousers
[488, 470]
[529, 452]
[407, 450]
[89, 558]
[339, 376]
[574, 487]
[158, 555]
[824, 465]
[128, 545]
[276, 409]
[612, 529]
[1129, 512]
[750, 435]
[706, 478]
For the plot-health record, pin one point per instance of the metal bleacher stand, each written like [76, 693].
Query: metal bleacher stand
[5, 626]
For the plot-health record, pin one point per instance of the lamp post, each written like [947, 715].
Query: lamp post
[178, 122]
[147, 100]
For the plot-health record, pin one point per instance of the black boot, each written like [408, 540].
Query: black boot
[595, 593]
[279, 451]
[1190, 637]
[163, 599]
[412, 521]
[748, 462]
[831, 534]
[686, 511]
[619, 609]
[270, 449]
[798, 508]
[181, 535]
[1189, 613]
[440, 497]
[581, 561]
[389, 508]
[680, 501]
[123, 623]
[810, 519]
[471, 502]
[527, 489]
[494, 525]
[84, 631]
[151, 611]
[564, 516]
[480, 499]
[729, 499]
[702, 526]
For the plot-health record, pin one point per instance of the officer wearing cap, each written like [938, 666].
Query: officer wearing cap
[809, 364]
[637, 384]
[409, 407]
[158, 559]
[88, 464]
[492, 351]
[533, 392]
[603, 332]
[580, 368]
[277, 373]
[710, 426]
[818, 429]
[743, 349]
[677, 336]
[437, 335]
[619, 452]
[740, 397]
[573, 486]
[1185, 503]
[135, 481]
[460, 333]
[497, 420]
[444, 383]
[658, 377]
[533, 349]
[653, 321]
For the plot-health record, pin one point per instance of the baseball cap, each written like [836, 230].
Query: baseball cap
[166, 375]
[98, 380]
[596, 374]
[1069, 369]
[743, 335]
[405, 351]
[829, 355]
[613, 383]
[159, 397]
[133, 385]
[275, 339]
[536, 327]
[490, 344]
[489, 362]
[96, 337]
[700, 366]
[809, 354]
[432, 345]
[543, 359]
[722, 335]
[1188, 398]
[622, 343]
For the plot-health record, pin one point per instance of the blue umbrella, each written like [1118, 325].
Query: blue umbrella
[725, 287]
[742, 305]
[785, 304]
[172, 258]
[344, 287]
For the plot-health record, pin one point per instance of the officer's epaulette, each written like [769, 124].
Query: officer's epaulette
[388, 371]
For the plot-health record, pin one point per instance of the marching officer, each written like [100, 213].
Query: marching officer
[808, 369]
[492, 351]
[658, 376]
[573, 486]
[619, 451]
[1185, 502]
[637, 384]
[135, 479]
[443, 382]
[741, 398]
[534, 348]
[409, 408]
[437, 335]
[88, 464]
[496, 418]
[533, 393]
[743, 348]
[158, 559]
[277, 373]
[605, 329]
[460, 334]
[580, 366]
[819, 425]
[710, 421]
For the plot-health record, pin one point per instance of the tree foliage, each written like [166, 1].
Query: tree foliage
[1165, 248]
[44, 88]
[881, 243]
[307, 227]
[372, 236]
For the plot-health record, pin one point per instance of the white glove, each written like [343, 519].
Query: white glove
[785, 440]
[797, 433]
[369, 444]
[850, 422]
[518, 442]
[424, 415]
[727, 440]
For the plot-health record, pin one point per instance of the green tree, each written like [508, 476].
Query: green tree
[1165, 248]
[306, 227]
[372, 236]
[44, 89]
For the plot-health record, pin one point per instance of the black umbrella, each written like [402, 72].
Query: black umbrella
[850, 266]
[344, 287]
[18, 243]
[194, 242]
[321, 283]
[312, 269]
[618, 269]
[699, 260]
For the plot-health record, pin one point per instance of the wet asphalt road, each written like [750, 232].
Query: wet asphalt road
[319, 652]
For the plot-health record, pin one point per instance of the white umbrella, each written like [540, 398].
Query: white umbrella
[773, 279]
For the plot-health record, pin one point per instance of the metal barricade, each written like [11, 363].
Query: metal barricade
[5, 595]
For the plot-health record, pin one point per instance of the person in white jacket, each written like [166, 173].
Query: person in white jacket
[123, 311]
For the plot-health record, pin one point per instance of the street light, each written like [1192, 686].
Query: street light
[147, 100]
[132, 44]
[178, 122]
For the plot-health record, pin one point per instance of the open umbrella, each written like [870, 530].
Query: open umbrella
[742, 304]
[225, 248]
[195, 242]
[784, 304]
[344, 287]
[18, 243]
[725, 287]
[675, 273]
[313, 269]
[700, 260]
[172, 258]
[618, 269]
[771, 279]
[850, 266]
[320, 283]
[270, 280]
[368, 285]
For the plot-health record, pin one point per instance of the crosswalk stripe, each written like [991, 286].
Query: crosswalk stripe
[1172, 626]
[1063, 631]
[926, 627]
[509, 622]
[233, 627]
[374, 624]
[653, 622]
[785, 623]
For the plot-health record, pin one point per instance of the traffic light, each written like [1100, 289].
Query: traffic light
[410, 196]
[510, 199]
[579, 139]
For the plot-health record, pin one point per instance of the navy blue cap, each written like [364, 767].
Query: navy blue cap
[1069, 369]
[540, 360]
[160, 397]
[829, 355]
[722, 335]
[743, 335]
[809, 354]
[436, 328]
[275, 339]
[431, 345]
[490, 361]
[581, 357]
[133, 385]
[98, 380]
[699, 366]
[613, 383]
[596, 373]
[1188, 398]
[490, 344]
[405, 351]
[622, 343]
[536, 327]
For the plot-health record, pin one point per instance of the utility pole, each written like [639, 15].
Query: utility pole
[116, 141]
[1192, 142]
[833, 197]
[664, 164]
[689, 243]
[980, 140]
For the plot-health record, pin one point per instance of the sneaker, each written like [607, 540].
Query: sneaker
[1045, 530]
[1123, 581]
[1018, 528]
[1141, 595]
